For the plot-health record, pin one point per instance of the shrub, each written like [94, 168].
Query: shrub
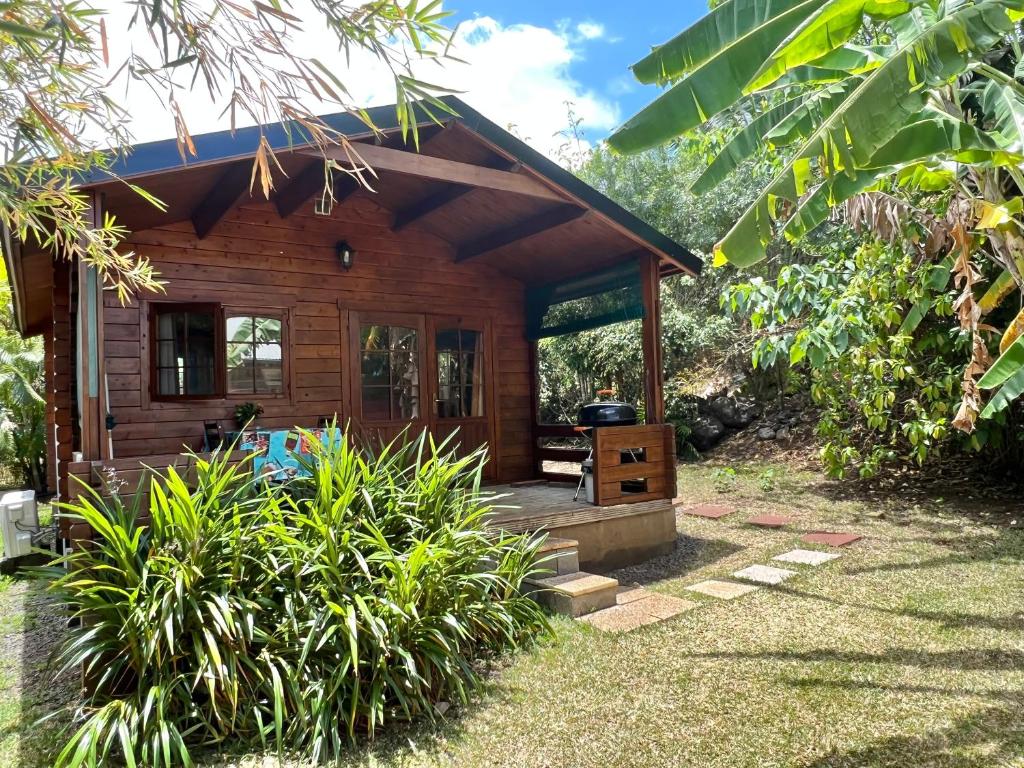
[295, 616]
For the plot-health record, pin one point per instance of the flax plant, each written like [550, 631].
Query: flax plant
[295, 617]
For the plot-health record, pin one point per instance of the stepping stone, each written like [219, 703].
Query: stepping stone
[806, 557]
[830, 539]
[710, 511]
[724, 590]
[629, 594]
[769, 521]
[637, 608]
[764, 574]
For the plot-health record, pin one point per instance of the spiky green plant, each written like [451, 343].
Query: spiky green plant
[295, 617]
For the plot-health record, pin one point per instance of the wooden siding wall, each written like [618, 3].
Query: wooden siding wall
[57, 349]
[253, 258]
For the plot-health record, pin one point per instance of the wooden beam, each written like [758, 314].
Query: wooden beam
[650, 283]
[89, 354]
[233, 182]
[309, 182]
[544, 222]
[440, 169]
[435, 202]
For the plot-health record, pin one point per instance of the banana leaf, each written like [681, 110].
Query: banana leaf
[744, 143]
[1005, 107]
[1010, 391]
[715, 85]
[884, 102]
[833, 24]
[707, 37]
[1008, 365]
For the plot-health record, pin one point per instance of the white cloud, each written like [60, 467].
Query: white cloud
[590, 30]
[517, 75]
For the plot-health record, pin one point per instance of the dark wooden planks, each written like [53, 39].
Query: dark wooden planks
[226, 191]
[256, 258]
[537, 225]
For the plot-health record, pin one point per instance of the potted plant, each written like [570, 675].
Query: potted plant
[247, 413]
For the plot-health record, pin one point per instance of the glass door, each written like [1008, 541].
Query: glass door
[460, 382]
[387, 379]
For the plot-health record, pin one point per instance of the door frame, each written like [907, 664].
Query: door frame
[426, 324]
[472, 322]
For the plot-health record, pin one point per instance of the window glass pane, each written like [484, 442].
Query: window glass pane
[269, 374]
[403, 338]
[376, 368]
[238, 329]
[185, 353]
[376, 403]
[458, 378]
[389, 372]
[374, 337]
[255, 358]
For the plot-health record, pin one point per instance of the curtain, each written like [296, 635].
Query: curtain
[478, 374]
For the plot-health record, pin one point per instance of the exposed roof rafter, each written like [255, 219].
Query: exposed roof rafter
[432, 203]
[440, 169]
[311, 182]
[543, 222]
[230, 186]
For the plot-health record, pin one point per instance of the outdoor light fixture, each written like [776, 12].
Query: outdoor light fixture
[345, 254]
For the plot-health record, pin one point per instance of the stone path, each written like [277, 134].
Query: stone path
[637, 607]
[806, 556]
[769, 521]
[831, 539]
[710, 511]
[764, 574]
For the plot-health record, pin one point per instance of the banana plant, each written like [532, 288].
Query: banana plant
[856, 96]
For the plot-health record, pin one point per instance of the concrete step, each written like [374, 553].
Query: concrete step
[574, 594]
[558, 557]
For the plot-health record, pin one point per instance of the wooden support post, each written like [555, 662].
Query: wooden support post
[92, 385]
[654, 399]
[538, 467]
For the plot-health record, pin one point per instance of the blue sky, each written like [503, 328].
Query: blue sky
[520, 62]
[600, 64]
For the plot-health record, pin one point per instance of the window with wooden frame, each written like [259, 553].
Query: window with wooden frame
[206, 351]
[254, 354]
[460, 363]
[389, 371]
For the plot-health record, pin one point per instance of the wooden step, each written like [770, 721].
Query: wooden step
[574, 594]
[558, 557]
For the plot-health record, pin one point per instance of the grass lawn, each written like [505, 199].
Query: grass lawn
[907, 651]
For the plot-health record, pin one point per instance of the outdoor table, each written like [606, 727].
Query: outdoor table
[278, 451]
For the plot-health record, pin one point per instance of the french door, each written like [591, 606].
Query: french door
[423, 371]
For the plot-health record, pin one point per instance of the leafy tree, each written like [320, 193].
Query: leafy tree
[22, 407]
[857, 95]
[59, 118]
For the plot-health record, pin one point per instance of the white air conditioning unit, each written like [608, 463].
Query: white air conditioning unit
[19, 520]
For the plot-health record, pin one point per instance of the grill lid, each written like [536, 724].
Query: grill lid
[607, 414]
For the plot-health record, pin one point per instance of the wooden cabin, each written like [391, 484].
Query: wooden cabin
[419, 301]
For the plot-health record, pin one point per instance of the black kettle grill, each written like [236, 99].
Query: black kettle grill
[607, 414]
[602, 413]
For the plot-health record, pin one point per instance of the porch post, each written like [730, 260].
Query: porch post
[650, 280]
[92, 399]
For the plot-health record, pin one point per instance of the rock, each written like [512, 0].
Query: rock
[724, 409]
[706, 432]
[733, 413]
[766, 433]
[782, 434]
[746, 412]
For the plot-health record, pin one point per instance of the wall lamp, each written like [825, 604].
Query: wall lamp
[345, 254]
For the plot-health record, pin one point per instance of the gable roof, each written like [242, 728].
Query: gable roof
[157, 157]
